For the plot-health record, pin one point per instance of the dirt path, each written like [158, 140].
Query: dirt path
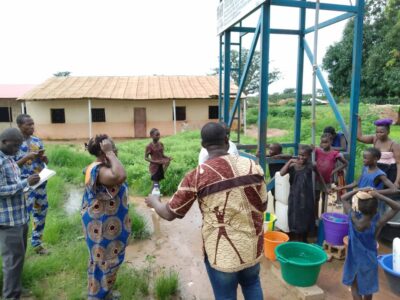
[271, 132]
[179, 246]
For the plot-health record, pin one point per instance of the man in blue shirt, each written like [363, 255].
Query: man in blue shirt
[31, 159]
[13, 214]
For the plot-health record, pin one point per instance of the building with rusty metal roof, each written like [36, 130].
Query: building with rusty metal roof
[79, 107]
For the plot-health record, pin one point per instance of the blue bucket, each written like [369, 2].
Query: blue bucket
[386, 262]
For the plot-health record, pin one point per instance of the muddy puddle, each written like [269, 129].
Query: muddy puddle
[176, 245]
[74, 200]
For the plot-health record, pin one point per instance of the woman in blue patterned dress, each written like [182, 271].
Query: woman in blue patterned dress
[105, 218]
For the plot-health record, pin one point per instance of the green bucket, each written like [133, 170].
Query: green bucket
[300, 262]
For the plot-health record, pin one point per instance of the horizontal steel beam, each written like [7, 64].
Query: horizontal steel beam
[329, 22]
[312, 5]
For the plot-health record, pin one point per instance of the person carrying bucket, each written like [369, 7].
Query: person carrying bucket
[361, 265]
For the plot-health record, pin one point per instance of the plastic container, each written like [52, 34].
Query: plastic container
[396, 255]
[393, 278]
[269, 222]
[281, 212]
[282, 188]
[320, 232]
[336, 227]
[271, 240]
[300, 262]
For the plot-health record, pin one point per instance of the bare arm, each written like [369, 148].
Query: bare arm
[346, 201]
[115, 174]
[147, 158]
[29, 156]
[343, 166]
[394, 209]
[391, 188]
[282, 156]
[160, 208]
[396, 152]
[366, 139]
[285, 168]
[348, 186]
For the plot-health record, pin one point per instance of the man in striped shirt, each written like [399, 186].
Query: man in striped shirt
[13, 213]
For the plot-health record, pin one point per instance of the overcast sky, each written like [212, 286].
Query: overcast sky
[128, 37]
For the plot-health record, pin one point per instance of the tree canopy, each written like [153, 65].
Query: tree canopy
[380, 75]
[252, 84]
[62, 74]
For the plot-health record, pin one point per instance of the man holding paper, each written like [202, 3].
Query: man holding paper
[13, 213]
[31, 159]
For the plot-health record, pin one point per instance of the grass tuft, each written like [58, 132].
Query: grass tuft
[166, 285]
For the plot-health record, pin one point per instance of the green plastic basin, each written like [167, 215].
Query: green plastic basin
[300, 262]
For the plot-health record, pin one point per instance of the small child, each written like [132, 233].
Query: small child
[372, 176]
[326, 159]
[158, 161]
[361, 265]
[301, 214]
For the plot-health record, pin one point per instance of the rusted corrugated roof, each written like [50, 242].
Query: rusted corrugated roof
[127, 88]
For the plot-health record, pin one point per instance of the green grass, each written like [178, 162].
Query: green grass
[62, 274]
[166, 285]
[281, 117]
[140, 229]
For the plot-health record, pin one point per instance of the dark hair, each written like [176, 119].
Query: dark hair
[278, 146]
[330, 130]
[21, 119]
[327, 135]
[374, 152]
[368, 206]
[213, 134]
[11, 134]
[307, 149]
[153, 130]
[93, 146]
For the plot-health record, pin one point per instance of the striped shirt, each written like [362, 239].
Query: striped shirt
[232, 196]
[12, 200]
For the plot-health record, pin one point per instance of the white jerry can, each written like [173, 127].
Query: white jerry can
[281, 213]
[282, 188]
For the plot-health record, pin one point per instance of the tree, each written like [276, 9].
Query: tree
[62, 74]
[381, 53]
[252, 83]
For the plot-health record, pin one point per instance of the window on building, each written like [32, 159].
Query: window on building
[57, 115]
[5, 114]
[180, 113]
[98, 115]
[213, 112]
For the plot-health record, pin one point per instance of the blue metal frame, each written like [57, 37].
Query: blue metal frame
[355, 86]
[328, 94]
[263, 29]
[263, 111]
[299, 81]
[227, 73]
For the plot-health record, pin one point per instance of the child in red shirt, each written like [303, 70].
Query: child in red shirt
[326, 159]
[158, 161]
